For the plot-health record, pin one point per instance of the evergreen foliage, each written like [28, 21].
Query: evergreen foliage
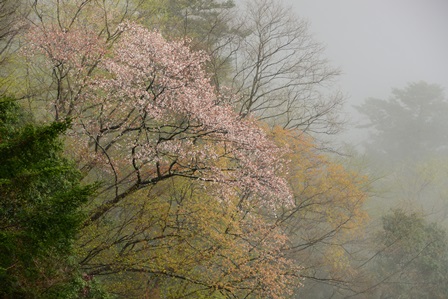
[40, 206]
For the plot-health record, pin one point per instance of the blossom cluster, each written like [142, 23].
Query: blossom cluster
[150, 103]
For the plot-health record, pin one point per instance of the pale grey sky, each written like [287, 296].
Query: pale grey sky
[381, 44]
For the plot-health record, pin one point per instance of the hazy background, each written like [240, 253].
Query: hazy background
[380, 45]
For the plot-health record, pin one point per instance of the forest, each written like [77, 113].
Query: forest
[185, 149]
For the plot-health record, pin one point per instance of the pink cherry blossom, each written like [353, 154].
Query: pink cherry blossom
[150, 109]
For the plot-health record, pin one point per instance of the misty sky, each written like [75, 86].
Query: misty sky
[381, 44]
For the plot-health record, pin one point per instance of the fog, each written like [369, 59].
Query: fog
[380, 45]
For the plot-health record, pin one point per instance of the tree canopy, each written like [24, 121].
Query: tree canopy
[413, 261]
[40, 206]
[410, 125]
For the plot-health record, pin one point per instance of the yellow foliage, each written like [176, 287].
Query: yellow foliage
[179, 238]
[328, 205]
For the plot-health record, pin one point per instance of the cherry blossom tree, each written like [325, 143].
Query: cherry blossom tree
[145, 113]
[151, 102]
